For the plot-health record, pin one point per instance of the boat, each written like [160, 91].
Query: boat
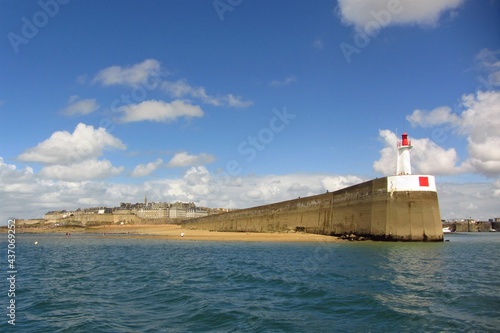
[446, 230]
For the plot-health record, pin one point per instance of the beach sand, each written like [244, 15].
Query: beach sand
[172, 231]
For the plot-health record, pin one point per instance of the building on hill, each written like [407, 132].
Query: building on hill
[153, 213]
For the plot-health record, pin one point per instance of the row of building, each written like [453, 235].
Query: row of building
[149, 211]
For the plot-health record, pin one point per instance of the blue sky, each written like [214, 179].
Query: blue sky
[239, 103]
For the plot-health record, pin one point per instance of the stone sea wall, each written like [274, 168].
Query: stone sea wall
[367, 209]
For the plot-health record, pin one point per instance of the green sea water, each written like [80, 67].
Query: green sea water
[89, 283]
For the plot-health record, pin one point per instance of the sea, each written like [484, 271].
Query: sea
[92, 283]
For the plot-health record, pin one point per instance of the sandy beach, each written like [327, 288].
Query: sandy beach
[171, 231]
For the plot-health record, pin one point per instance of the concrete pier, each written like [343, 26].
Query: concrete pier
[397, 208]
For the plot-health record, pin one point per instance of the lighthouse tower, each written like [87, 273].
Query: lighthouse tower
[404, 164]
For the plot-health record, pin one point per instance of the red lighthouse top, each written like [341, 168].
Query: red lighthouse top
[404, 138]
[404, 141]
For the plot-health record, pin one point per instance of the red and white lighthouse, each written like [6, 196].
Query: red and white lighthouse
[404, 163]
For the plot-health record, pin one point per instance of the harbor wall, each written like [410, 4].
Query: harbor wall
[390, 208]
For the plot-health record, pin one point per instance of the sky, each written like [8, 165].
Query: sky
[238, 103]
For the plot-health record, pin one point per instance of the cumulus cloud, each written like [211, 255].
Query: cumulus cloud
[87, 169]
[465, 200]
[426, 156]
[11, 176]
[184, 159]
[77, 106]
[143, 170]
[64, 148]
[217, 189]
[439, 116]
[362, 13]
[182, 89]
[130, 76]
[25, 194]
[160, 111]
[285, 82]
[479, 122]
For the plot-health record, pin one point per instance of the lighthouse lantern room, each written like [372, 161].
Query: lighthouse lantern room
[404, 163]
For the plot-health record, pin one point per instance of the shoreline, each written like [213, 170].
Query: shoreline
[174, 232]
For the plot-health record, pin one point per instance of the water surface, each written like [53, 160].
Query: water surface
[89, 283]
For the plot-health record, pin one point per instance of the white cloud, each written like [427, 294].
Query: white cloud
[130, 76]
[150, 70]
[496, 192]
[184, 159]
[87, 169]
[363, 13]
[219, 190]
[285, 82]
[489, 63]
[182, 89]
[65, 148]
[73, 156]
[160, 111]
[479, 122]
[10, 177]
[465, 200]
[25, 194]
[235, 101]
[439, 116]
[77, 106]
[333, 183]
[426, 157]
[143, 170]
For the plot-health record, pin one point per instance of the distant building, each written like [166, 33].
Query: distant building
[153, 213]
[53, 216]
[144, 210]
[178, 212]
[196, 212]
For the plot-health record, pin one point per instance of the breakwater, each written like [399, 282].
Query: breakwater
[400, 208]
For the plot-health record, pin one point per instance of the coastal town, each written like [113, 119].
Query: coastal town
[126, 213]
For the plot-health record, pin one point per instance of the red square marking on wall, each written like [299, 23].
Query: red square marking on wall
[424, 181]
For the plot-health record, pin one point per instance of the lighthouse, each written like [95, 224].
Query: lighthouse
[404, 164]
